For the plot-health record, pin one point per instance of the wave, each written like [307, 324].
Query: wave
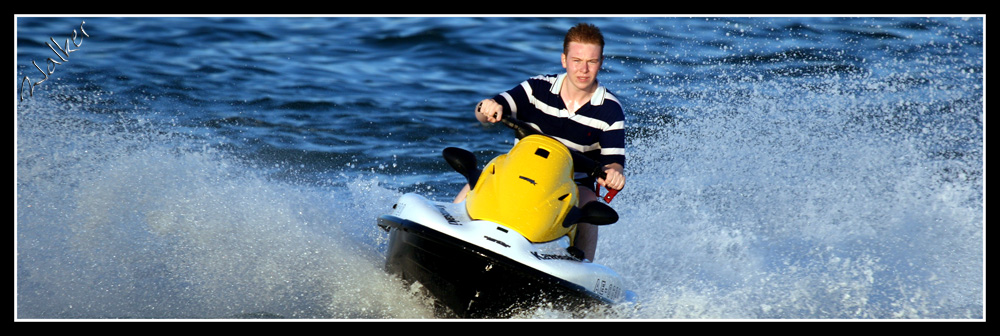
[120, 220]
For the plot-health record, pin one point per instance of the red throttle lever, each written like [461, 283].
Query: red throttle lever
[610, 195]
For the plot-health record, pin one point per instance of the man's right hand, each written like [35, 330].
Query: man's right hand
[489, 111]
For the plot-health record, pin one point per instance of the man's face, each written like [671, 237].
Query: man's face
[582, 61]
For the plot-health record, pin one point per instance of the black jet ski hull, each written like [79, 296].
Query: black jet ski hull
[474, 282]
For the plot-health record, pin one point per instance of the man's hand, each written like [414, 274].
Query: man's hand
[489, 111]
[615, 179]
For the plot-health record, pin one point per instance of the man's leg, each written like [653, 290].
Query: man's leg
[461, 194]
[586, 234]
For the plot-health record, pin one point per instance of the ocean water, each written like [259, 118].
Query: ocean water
[233, 167]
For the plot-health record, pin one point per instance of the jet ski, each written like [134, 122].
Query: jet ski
[509, 244]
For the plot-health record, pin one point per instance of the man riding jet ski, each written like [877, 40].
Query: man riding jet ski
[576, 109]
[506, 245]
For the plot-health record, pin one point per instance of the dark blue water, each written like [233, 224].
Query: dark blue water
[779, 168]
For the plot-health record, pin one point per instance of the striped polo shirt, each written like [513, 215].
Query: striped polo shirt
[596, 129]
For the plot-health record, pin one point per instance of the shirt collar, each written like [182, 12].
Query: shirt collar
[596, 99]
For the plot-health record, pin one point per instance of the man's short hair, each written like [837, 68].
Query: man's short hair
[584, 33]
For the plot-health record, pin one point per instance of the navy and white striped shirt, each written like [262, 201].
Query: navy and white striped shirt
[597, 129]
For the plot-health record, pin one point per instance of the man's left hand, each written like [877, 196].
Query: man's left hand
[615, 178]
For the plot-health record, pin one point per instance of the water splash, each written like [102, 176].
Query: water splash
[135, 223]
[818, 198]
